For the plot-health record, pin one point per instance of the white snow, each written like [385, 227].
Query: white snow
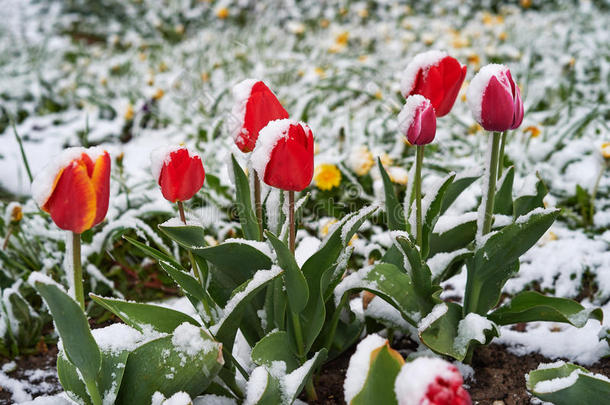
[438, 311]
[439, 262]
[407, 114]
[187, 339]
[119, 337]
[359, 364]
[241, 94]
[422, 61]
[306, 248]
[262, 247]
[478, 85]
[179, 398]
[414, 377]
[257, 384]
[472, 327]
[43, 183]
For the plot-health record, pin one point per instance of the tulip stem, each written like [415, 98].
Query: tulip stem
[191, 257]
[257, 204]
[7, 237]
[77, 271]
[501, 158]
[291, 220]
[492, 167]
[417, 184]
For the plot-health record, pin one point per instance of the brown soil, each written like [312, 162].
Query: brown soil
[499, 375]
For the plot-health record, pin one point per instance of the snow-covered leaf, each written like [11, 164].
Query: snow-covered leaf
[247, 217]
[276, 346]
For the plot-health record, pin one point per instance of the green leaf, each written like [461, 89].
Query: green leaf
[73, 328]
[459, 184]
[302, 374]
[432, 211]
[455, 238]
[19, 311]
[296, 285]
[575, 385]
[531, 306]
[387, 282]
[270, 395]
[157, 254]
[169, 365]
[109, 379]
[497, 260]
[378, 387]
[143, 316]
[247, 217]
[394, 210]
[503, 201]
[452, 263]
[188, 236]
[442, 334]
[276, 346]
[526, 203]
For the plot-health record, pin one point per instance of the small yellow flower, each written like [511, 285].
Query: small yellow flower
[326, 176]
[158, 94]
[179, 29]
[491, 20]
[363, 58]
[326, 227]
[360, 160]
[363, 13]
[474, 128]
[474, 59]
[142, 56]
[222, 13]
[533, 130]
[428, 38]
[606, 150]
[386, 160]
[342, 38]
[129, 113]
[16, 213]
[163, 67]
[324, 23]
[398, 175]
[502, 36]
[210, 240]
[103, 81]
[459, 41]
[526, 3]
[150, 79]
[378, 95]
[320, 72]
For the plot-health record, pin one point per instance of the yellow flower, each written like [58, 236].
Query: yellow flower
[363, 58]
[360, 160]
[142, 56]
[533, 130]
[526, 3]
[324, 23]
[502, 36]
[386, 160]
[474, 59]
[104, 81]
[326, 176]
[163, 67]
[606, 150]
[326, 227]
[474, 128]
[179, 29]
[398, 175]
[320, 72]
[16, 213]
[205, 76]
[490, 19]
[459, 41]
[129, 112]
[210, 240]
[340, 42]
[378, 95]
[363, 13]
[222, 13]
[158, 94]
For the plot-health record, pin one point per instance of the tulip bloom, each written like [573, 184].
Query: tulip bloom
[430, 381]
[417, 120]
[436, 76]
[495, 99]
[255, 107]
[178, 171]
[75, 188]
[283, 156]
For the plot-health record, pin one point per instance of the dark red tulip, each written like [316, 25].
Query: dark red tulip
[495, 99]
[75, 188]
[178, 171]
[436, 76]
[417, 120]
[283, 156]
[255, 107]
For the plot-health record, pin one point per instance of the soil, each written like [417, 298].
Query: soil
[499, 375]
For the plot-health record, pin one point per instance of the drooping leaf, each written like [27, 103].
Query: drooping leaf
[529, 306]
[459, 184]
[394, 210]
[498, 258]
[170, 364]
[247, 217]
[157, 254]
[297, 291]
[188, 236]
[568, 384]
[142, 316]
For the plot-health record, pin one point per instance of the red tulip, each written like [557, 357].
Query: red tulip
[431, 381]
[436, 76]
[495, 99]
[255, 107]
[283, 156]
[75, 188]
[417, 120]
[178, 171]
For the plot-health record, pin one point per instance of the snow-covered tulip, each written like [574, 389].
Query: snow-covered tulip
[430, 381]
[178, 171]
[417, 120]
[283, 156]
[495, 99]
[436, 76]
[75, 188]
[255, 106]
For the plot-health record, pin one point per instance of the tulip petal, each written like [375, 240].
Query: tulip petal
[290, 165]
[497, 106]
[181, 176]
[73, 203]
[453, 77]
[100, 178]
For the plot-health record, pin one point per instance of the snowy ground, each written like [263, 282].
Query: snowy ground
[151, 74]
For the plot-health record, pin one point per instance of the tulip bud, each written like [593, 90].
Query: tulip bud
[417, 120]
[431, 381]
[283, 156]
[178, 171]
[495, 99]
[436, 76]
[255, 106]
[75, 188]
